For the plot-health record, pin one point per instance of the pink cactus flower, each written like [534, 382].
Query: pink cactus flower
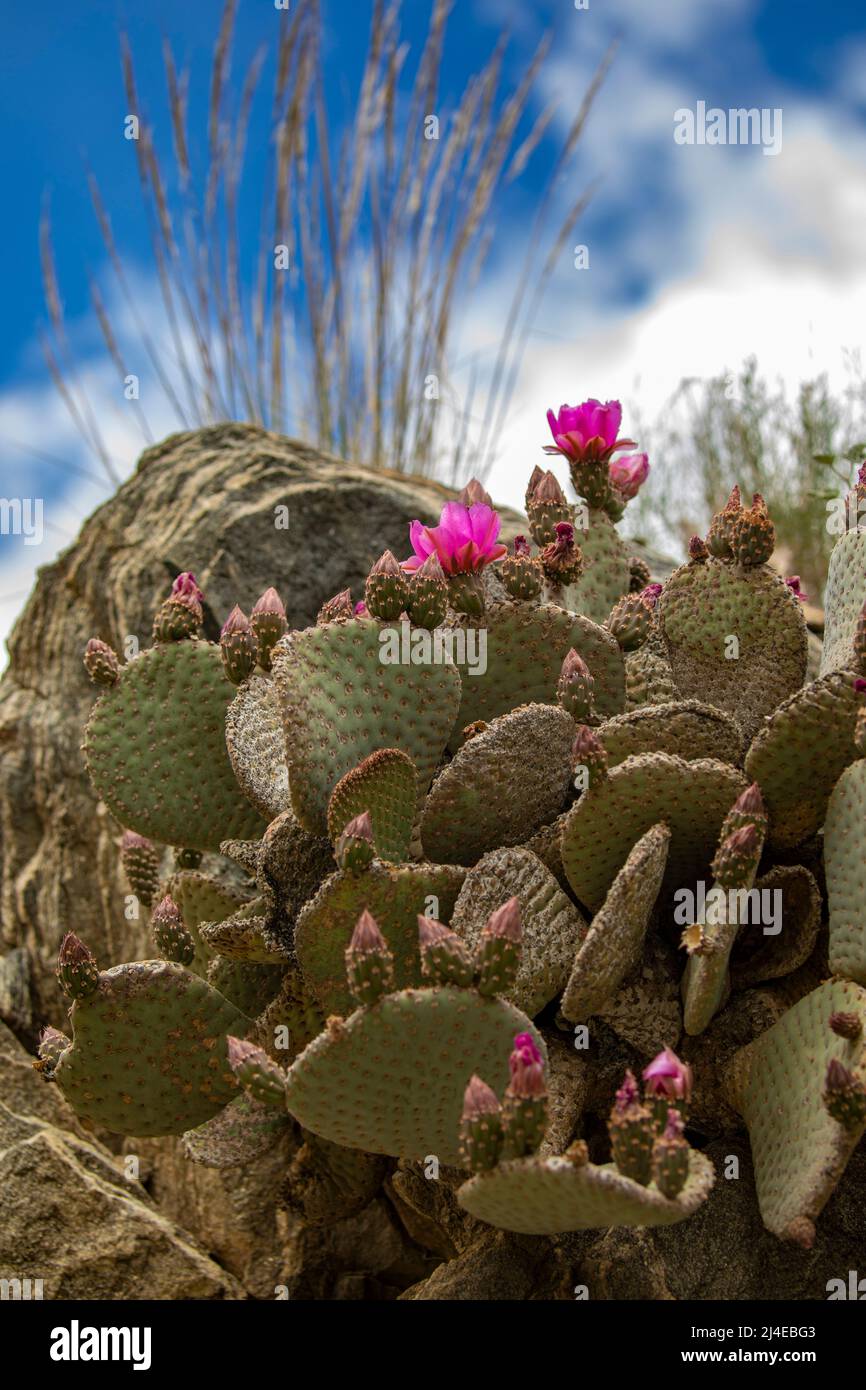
[859, 685]
[465, 539]
[629, 473]
[793, 583]
[186, 586]
[651, 593]
[667, 1076]
[587, 431]
[527, 1068]
[361, 609]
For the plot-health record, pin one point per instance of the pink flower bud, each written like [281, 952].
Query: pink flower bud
[667, 1076]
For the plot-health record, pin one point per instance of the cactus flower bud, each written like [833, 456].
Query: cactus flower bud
[386, 591]
[100, 662]
[141, 865]
[574, 689]
[256, 1071]
[589, 762]
[180, 616]
[632, 1132]
[237, 646]
[427, 600]
[562, 559]
[172, 939]
[268, 622]
[632, 619]
[793, 583]
[480, 1127]
[535, 478]
[77, 971]
[497, 955]
[361, 609]
[337, 609]
[844, 1096]
[369, 962]
[474, 492]
[546, 506]
[522, 575]
[671, 1155]
[525, 1105]
[666, 1076]
[737, 857]
[186, 585]
[752, 534]
[698, 552]
[628, 474]
[52, 1045]
[355, 850]
[445, 958]
[846, 1025]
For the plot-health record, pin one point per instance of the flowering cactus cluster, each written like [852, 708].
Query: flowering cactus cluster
[606, 838]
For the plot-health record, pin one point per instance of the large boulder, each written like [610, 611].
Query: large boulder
[213, 501]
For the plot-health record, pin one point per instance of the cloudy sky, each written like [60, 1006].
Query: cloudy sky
[700, 255]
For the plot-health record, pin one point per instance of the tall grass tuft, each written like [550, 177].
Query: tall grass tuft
[385, 232]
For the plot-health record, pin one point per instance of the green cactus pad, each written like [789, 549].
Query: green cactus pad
[776, 1083]
[291, 1020]
[649, 679]
[203, 899]
[844, 857]
[702, 606]
[692, 798]
[843, 599]
[156, 754]
[526, 645]
[500, 786]
[614, 944]
[607, 572]
[552, 925]
[543, 1196]
[249, 987]
[757, 957]
[148, 1052]
[386, 785]
[256, 745]
[244, 936]
[340, 702]
[395, 895]
[241, 1133]
[391, 1078]
[685, 727]
[801, 752]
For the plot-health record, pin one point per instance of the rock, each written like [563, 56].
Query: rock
[205, 501]
[16, 1007]
[73, 1218]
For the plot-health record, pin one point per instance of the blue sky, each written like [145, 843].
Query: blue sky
[700, 256]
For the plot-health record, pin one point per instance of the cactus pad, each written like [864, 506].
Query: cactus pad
[801, 752]
[691, 798]
[156, 754]
[395, 895]
[203, 899]
[648, 678]
[702, 607]
[843, 599]
[542, 1196]
[776, 1084]
[614, 944]
[244, 936]
[552, 925]
[386, 785]
[844, 835]
[607, 571]
[391, 1078]
[500, 786]
[256, 745]
[240, 1133]
[148, 1053]
[686, 728]
[340, 702]
[526, 645]
[757, 957]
